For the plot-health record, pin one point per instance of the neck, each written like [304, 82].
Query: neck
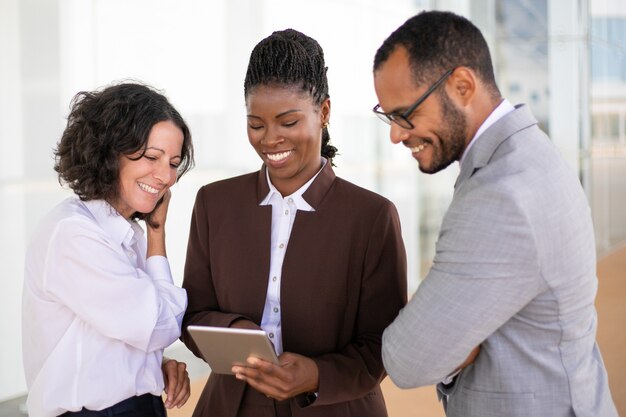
[288, 186]
[479, 113]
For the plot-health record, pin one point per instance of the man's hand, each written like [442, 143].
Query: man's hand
[177, 384]
[470, 359]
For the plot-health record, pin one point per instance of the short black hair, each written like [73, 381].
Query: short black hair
[438, 41]
[103, 125]
[290, 58]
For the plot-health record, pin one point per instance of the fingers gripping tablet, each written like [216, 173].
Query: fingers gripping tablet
[223, 347]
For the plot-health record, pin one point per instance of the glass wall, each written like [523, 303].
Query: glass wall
[197, 52]
[538, 49]
[607, 155]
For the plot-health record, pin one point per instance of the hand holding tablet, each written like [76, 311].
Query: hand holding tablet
[223, 347]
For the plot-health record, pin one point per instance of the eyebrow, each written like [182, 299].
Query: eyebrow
[399, 110]
[162, 151]
[278, 116]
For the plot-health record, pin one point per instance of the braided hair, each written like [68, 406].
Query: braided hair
[290, 58]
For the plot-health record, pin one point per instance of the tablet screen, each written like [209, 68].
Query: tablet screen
[223, 347]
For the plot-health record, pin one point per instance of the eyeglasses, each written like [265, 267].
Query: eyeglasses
[402, 119]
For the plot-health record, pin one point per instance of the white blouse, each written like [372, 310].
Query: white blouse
[284, 211]
[96, 314]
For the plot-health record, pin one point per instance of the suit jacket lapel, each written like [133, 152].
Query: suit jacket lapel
[257, 227]
[262, 186]
[481, 152]
[320, 187]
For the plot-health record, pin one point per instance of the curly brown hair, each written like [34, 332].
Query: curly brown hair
[102, 126]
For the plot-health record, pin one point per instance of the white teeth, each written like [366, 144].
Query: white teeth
[277, 156]
[416, 149]
[147, 188]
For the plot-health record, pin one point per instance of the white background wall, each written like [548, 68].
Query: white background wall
[197, 52]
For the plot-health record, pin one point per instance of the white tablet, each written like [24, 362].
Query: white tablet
[223, 347]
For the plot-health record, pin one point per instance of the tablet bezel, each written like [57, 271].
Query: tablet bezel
[223, 347]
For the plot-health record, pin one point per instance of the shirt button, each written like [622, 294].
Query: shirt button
[282, 245]
[274, 279]
[286, 212]
[290, 200]
[131, 253]
[275, 309]
[271, 335]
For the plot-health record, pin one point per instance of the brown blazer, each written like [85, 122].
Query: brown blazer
[343, 281]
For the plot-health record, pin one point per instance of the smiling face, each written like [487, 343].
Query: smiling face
[285, 129]
[143, 181]
[440, 133]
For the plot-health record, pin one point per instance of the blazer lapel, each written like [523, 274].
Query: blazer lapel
[262, 186]
[258, 229]
[320, 187]
[481, 152]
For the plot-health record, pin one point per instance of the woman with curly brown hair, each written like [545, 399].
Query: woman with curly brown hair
[99, 303]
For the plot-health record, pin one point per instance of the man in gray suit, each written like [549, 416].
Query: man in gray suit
[514, 271]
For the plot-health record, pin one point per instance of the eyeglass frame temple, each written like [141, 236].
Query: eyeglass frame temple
[419, 101]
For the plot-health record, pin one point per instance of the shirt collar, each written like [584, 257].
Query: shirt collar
[122, 231]
[500, 111]
[296, 197]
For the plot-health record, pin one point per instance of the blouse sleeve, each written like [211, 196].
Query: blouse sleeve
[88, 274]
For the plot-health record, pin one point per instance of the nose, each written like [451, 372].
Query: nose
[164, 173]
[398, 134]
[272, 138]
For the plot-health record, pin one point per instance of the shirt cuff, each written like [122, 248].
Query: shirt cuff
[448, 380]
[158, 268]
[306, 399]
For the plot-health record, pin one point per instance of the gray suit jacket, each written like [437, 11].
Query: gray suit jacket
[514, 272]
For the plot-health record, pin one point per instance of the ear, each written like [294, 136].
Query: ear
[325, 111]
[462, 85]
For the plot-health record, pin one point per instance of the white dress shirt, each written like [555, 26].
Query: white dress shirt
[96, 314]
[283, 215]
[499, 112]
